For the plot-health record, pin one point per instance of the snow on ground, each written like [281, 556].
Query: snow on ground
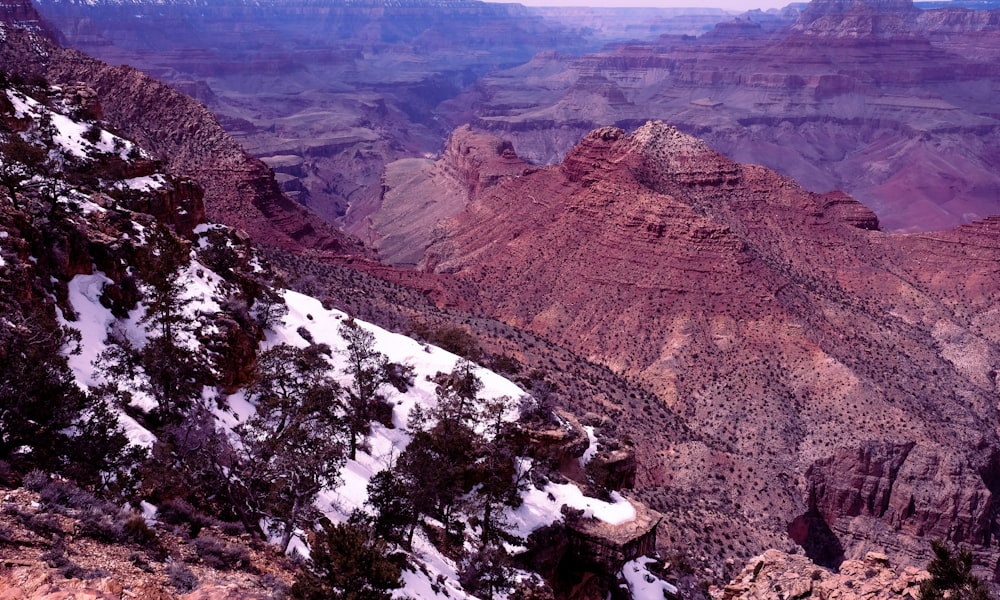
[69, 134]
[540, 507]
[426, 360]
[544, 506]
[643, 585]
[150, 182]
[385, 444]
[93, 321]
[591, 449]
[437, 575]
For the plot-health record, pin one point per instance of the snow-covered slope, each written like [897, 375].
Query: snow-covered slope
[540, 507]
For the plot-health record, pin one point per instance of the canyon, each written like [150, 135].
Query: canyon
[797, 367]
[886, 101]
[834, 380]
[328, 94]
[883, 100]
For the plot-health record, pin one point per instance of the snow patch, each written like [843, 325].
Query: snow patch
[93, 321]
[542, 507]
[147, 183]
[643, 585]
[591, 449]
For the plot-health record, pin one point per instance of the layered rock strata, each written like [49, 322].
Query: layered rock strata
[839, 379]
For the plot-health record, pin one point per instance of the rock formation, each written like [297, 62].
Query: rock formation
[417, 193]
[838, 378]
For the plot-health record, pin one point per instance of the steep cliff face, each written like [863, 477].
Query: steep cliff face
[858, 19]
[877, 491]
[837, 375]
[417, 193]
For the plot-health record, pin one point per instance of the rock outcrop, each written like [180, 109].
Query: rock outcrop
[882, 492]
[178, 202]
[418, 193]
[858, 19]
[776, 575]
[606, 548]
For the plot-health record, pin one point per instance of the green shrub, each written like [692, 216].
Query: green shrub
[219, 554]
[348, 563]
[951, 576]
[181, 578]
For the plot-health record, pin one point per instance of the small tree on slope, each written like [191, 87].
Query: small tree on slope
[368, 370]
[293, 446]
[347, 563]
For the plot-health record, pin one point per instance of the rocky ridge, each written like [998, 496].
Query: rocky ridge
[891, 105]
[240, 190]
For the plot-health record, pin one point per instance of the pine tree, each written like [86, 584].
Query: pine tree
[293, 445]
[175, 373]
[951, 576]
[368, 369]
[18, 163]
[488, 571]
[437, 469]
[347, 563]
[39, 399]
[457, 396]
[395, 514]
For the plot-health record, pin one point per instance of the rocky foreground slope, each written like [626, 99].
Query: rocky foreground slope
[837, 381]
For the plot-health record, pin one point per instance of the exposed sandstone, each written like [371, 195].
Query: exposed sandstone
[605, 547]
[559, 444]
[418, 193]
[613, 469]
[180, 203]
[779, 576]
